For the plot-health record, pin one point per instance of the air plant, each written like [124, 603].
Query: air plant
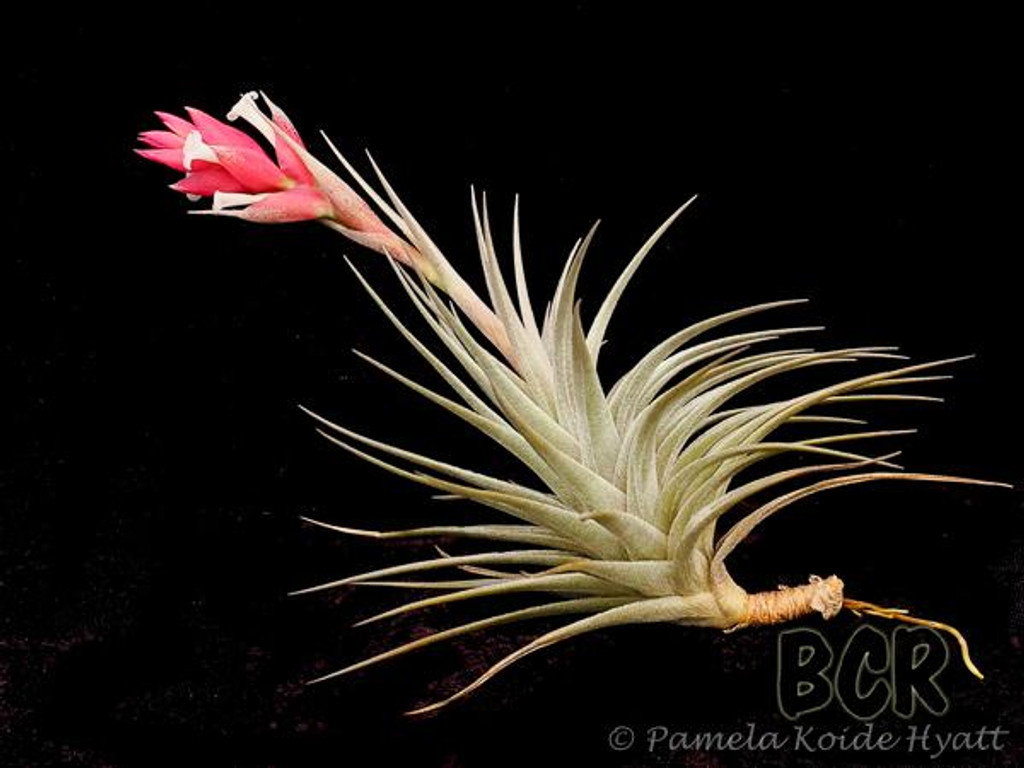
[632, 478]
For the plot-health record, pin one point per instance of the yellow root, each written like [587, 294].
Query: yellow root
[901, 614]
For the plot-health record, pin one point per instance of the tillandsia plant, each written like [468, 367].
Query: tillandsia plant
[633, 478]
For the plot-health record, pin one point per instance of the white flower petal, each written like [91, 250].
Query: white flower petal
[246, 109]
[196, 149]
[222, 200]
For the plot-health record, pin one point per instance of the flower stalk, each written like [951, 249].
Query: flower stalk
[226, 164]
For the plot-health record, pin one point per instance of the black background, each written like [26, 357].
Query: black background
[156, 465]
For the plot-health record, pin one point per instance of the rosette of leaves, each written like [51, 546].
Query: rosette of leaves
[632, 478]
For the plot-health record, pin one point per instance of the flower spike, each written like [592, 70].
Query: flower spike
[219, 158]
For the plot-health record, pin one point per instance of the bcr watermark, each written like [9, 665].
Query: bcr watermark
[921, 740]
[874, 672]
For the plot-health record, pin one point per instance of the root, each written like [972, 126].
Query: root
[825, 596]
[900, 614]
